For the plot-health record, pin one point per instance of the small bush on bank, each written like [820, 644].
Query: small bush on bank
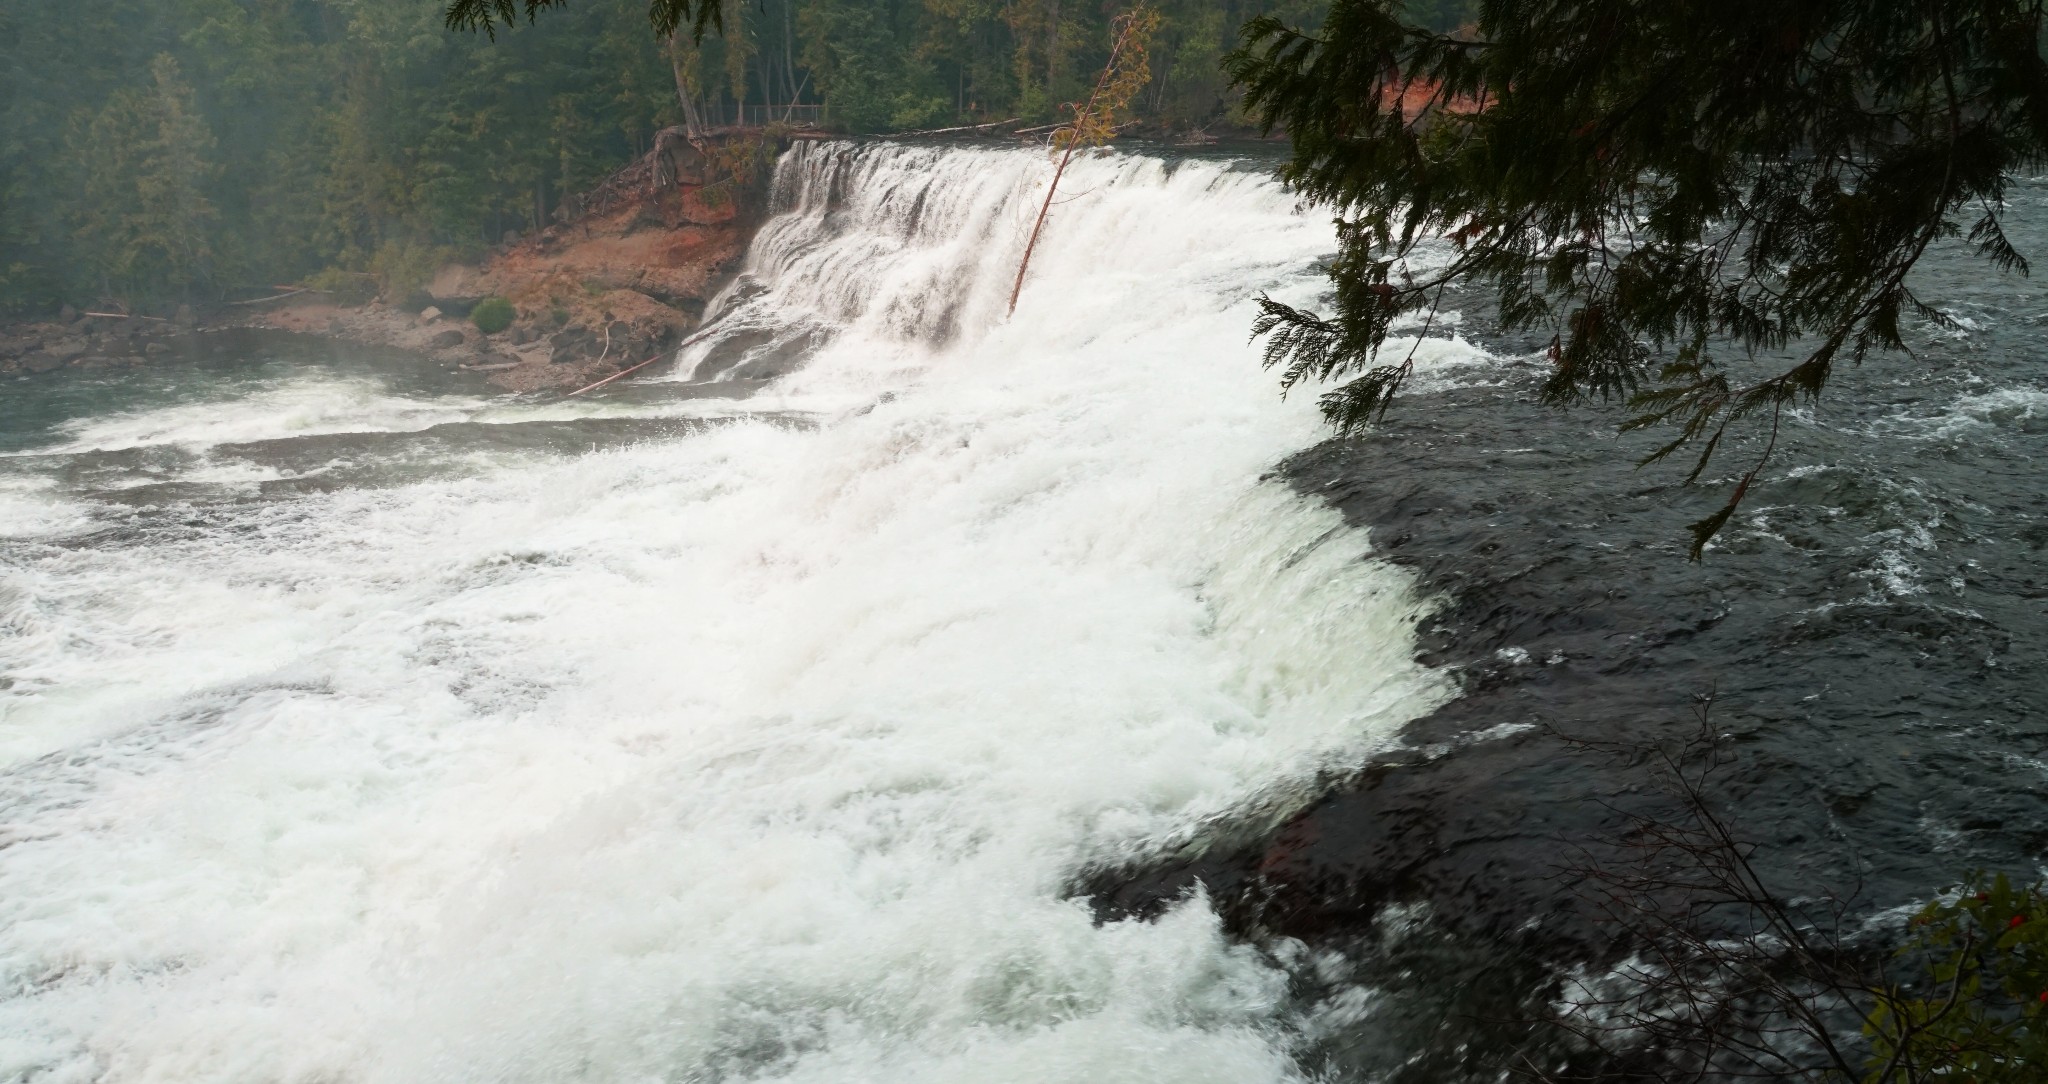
[492, 315]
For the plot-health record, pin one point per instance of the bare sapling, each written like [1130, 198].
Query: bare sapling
[1127, 72]
[1730, 976]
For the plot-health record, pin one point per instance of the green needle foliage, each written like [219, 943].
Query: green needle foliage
[666, 16]
[1675, 189]
[158, 152]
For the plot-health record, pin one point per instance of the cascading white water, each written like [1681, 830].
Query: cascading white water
[762, 753]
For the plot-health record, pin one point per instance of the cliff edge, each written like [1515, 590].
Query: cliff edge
[622, 277]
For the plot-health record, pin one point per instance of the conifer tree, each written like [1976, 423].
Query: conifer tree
[147, 158]
[1679, 191]
[665, 16]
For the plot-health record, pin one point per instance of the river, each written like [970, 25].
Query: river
[767, 718]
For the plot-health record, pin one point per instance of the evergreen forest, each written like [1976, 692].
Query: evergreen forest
[160, 151]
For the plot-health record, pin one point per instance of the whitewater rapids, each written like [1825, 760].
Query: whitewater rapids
[766, 751]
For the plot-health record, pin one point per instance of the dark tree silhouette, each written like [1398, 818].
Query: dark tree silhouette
[666, 16]
[1672, 190]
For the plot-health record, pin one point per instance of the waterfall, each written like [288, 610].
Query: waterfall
[762, 751]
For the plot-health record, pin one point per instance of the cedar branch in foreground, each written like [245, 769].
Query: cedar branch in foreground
[1677, 191]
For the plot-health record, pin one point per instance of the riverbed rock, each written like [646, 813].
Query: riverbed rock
[457, 286]
[646, 255]
[448, 338]
[572, 344]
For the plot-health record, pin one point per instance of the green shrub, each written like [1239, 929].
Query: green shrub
[1978, 1011]
[492, 315]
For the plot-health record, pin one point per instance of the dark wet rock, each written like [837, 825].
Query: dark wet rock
[1862, 626]
[449, 338]
[573, 344]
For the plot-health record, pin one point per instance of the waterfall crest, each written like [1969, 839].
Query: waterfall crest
[764, 751]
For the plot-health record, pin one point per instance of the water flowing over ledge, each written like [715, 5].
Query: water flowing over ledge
[763, 751]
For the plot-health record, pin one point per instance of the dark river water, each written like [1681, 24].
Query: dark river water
[1865, 641]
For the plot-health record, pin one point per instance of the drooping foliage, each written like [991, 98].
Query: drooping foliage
[1709, 204]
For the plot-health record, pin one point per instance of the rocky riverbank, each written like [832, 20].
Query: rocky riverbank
[88, 341]
[621, 280]
[623, 277]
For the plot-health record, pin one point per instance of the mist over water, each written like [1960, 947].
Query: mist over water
[358, 729]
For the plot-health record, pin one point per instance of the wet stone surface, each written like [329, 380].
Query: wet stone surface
[1869, 628]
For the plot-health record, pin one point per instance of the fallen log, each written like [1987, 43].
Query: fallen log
[962, 128]
[279, 297]
[692, 340]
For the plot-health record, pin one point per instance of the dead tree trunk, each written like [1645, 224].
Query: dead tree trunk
[1125, 73]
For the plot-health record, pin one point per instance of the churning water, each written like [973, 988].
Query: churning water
[777, 718]
[357, 727]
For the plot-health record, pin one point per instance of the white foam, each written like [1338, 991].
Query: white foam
[300, 407]
[764, 754]
[29, 508]
[2024, 409]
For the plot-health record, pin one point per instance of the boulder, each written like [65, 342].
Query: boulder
[457, 288]
[155, 350]
[66, 314]
[678, 161]
[572, 344]
[429, 314]
[41, 362]
[448, 338]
